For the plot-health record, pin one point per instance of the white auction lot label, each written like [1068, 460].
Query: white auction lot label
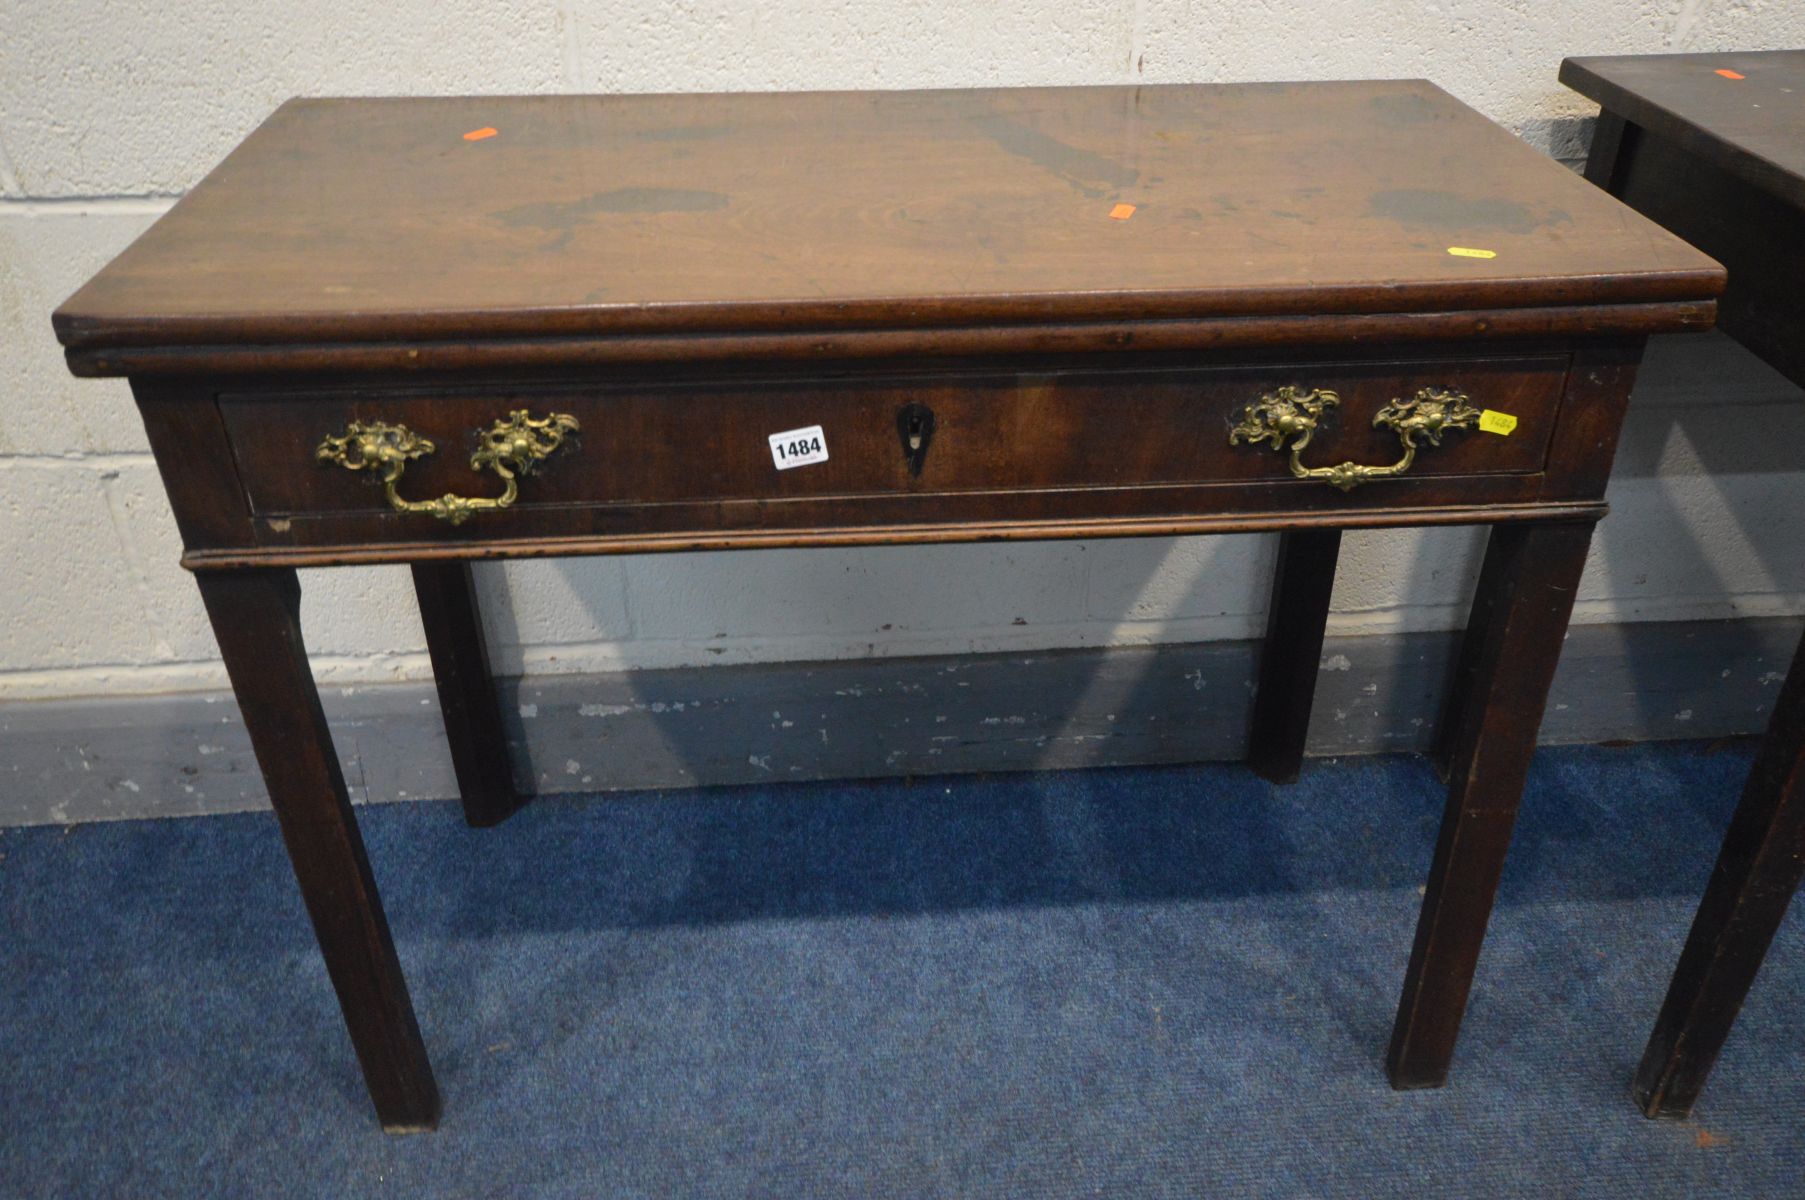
[798, 447]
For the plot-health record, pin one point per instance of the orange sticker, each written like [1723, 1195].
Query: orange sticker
[1121, 212]
[477, 135]
[1729, 74]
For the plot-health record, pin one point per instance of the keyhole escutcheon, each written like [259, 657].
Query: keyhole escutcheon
[915, 428]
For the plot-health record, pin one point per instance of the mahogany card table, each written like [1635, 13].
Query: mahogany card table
[435, 331]
[1712, 146]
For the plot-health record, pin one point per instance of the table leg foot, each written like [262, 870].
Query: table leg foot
[467, 695]
[1757, 872]
[1520, 613]
[1291, 655]
[256, 619]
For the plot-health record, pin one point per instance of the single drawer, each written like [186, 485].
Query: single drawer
[893, 435]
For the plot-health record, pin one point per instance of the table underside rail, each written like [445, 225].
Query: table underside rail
[399, 552]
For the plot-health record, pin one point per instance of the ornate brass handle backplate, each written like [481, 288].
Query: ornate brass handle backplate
[510, 448]
[1288, 417]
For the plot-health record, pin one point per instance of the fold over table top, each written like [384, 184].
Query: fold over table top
[376, 222]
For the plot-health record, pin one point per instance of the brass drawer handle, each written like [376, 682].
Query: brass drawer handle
[510, 448]
[1290, 415]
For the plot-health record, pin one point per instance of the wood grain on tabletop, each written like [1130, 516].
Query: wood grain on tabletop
[352, 220]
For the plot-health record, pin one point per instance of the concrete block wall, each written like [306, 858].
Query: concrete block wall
[110, 111]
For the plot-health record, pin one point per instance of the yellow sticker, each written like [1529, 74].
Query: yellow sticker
[1469, 252]
[1497, 422]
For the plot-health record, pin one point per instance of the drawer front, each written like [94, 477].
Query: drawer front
[989, 432]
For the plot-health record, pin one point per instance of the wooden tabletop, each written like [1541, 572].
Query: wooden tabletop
[1744, 112]
[376, 219]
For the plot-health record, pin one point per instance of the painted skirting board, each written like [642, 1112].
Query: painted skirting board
[87, 760]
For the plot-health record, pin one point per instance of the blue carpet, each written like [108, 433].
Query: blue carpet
[1122, 983]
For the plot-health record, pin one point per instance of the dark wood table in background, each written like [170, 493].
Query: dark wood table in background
[971, 315]
[1713, 147]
